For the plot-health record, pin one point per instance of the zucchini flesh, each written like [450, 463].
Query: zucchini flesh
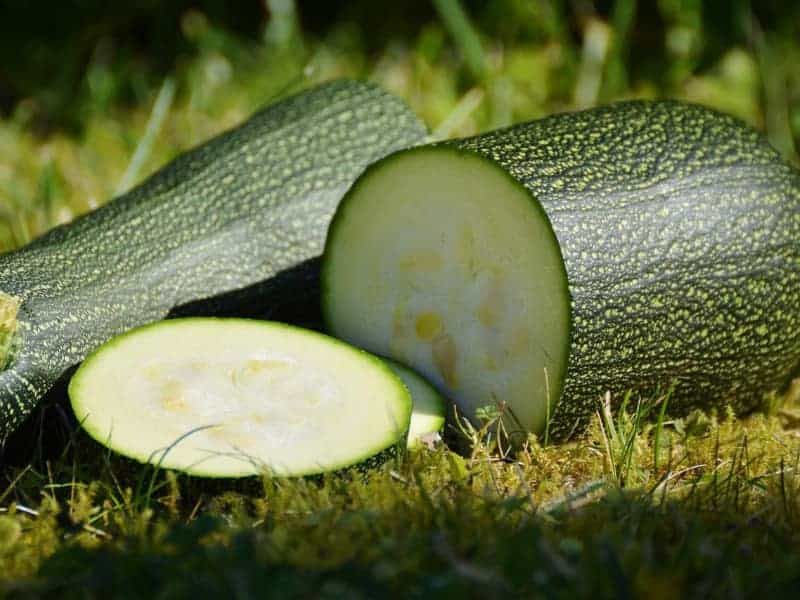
[429, 408]
[658, 252]
[236, 397]
[449, 266]
[250, 204]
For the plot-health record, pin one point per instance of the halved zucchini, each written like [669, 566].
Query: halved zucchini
[239, 218]
[643, 246]
[235, 397]
[428, 414]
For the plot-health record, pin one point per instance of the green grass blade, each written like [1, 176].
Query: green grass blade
[463, 32]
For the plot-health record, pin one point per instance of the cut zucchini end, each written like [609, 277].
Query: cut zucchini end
[9, 307]
[429, 408]
[236, 398]
[439, 259]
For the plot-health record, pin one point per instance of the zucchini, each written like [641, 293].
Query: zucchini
[237, 397]
[429, 408]
[640, 246]
[239, 209]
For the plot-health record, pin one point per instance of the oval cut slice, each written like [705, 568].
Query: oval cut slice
[236, 397]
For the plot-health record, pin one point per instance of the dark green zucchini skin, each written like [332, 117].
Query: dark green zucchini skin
[250, 203]
[679, 230]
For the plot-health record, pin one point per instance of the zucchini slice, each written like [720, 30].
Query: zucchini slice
[645, 246]
[428, 414]
[237, 397]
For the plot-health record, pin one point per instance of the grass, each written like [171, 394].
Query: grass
[643, 505]
[711, 509]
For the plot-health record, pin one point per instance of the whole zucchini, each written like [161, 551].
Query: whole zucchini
[642, 245]
[250, 203]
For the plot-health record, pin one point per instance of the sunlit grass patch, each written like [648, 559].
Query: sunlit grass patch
[544, 519]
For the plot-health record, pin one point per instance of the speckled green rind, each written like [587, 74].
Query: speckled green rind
[679, 229]
[237, 210]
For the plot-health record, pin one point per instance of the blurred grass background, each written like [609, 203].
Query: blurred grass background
[96, 95]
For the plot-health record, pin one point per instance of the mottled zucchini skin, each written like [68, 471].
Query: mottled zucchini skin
[237, 210]
[679, 230]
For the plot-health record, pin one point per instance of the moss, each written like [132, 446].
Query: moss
[555, 520]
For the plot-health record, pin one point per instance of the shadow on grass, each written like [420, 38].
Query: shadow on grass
[622, 546]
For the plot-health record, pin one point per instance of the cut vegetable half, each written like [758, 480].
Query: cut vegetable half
[642, 246]
[234, 397]
[441, 260]
[428, 414]
[238, 220]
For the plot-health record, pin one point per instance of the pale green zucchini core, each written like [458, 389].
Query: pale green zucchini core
[235, 397]
[439, 259]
